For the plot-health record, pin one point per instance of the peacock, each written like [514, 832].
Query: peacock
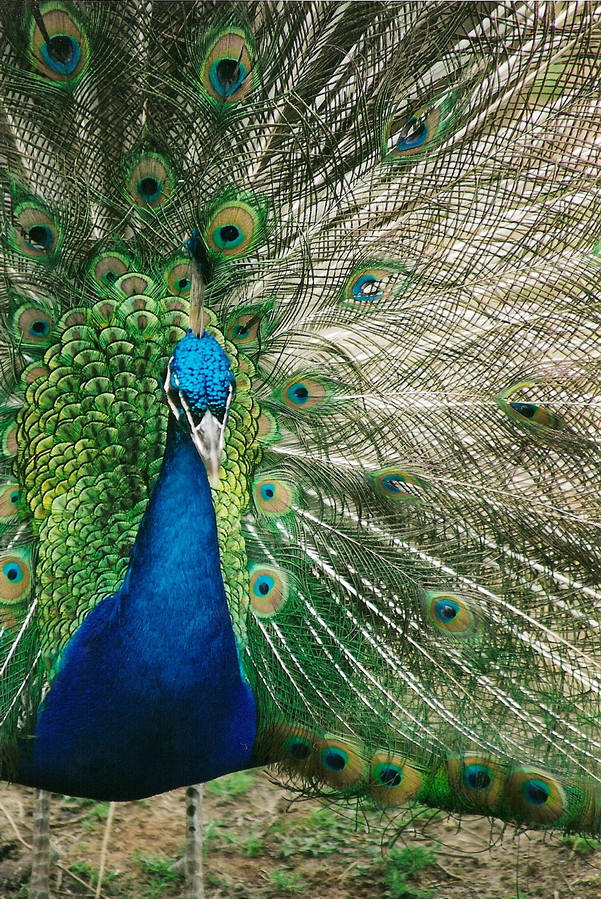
[300, 306]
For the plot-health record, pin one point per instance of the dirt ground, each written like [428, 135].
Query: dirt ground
[260, 845]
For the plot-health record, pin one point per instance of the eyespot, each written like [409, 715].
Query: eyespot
[150, 181]
[15, 578]
[303, 394]
[393, 781]
[268, 589]
[419, 132]
[451, 614]
[62, 52]
[397, 484]
[339, 763]
[535, 797]
[533, 413]
[366, 287]
[369, 286]
[480, 780]
[178, 279]
[227, 70]
[108, 268]
[273, 496]
[299, 748]
[526, 412]
[243, 330]
[477, 777]
[35, 232]
[9, 500]
[291, 747]
[299, 751]
[233, 230]
[33, 326]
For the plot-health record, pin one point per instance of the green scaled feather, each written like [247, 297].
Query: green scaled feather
[401, 215]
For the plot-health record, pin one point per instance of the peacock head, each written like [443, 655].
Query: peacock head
[200, 388]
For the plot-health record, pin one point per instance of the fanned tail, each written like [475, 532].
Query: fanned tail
[398, 212]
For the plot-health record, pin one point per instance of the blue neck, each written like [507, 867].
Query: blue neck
[149, 695]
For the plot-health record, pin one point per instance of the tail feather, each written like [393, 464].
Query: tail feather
[399, 209]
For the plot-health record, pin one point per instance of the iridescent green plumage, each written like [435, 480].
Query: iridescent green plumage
[399, 211]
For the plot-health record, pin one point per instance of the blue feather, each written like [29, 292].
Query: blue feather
[149, 695]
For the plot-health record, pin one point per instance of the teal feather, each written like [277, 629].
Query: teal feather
[393, 217]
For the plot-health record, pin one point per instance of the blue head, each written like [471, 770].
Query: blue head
[200, 387]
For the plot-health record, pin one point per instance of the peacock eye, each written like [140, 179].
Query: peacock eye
[243, 329]
[227, 75]
[537, 414]
[264, 586]
[397, 484]
[178, 278]
[414, 134]
[388, 775]
[446, 611]
[367, 288]
[452, 615]
[227, 237]
[341, 764]
[62, 53]
[233, 229]
[40, 328]
[527, 410]
[149, 189]
[273, 497]
[15, 579]
[227, 69]
[32, 325]
[299, 749]
[40, 237]
[393, 483]
[334, 759]
[13, 572]
[58, 45]
[535, 796]
[35, 232]
[477, 777]
[298, 394]
[268, 590]
[420, 132]
[304, 394]
[150, 181]
[369, 285]
[522, 411]
[107, 269]
[9, 498]
[536, 791]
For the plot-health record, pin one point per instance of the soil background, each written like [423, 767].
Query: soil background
[261, 843]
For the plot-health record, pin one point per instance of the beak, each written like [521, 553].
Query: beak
[208, 436]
